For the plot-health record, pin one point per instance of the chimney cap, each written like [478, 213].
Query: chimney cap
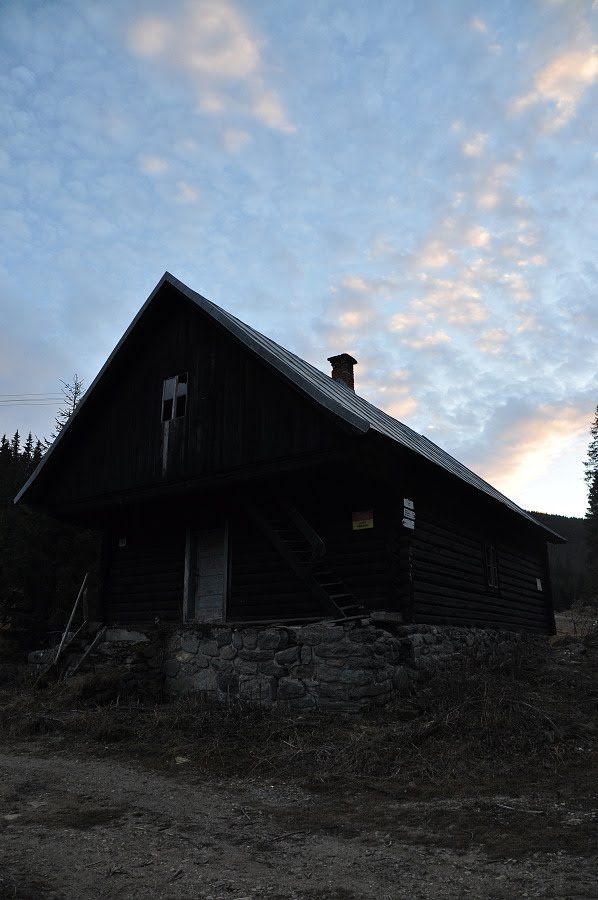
[342, 357]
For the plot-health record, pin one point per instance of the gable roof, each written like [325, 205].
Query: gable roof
[355, 412]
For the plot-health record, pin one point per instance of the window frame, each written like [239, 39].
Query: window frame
[177, 399]
[491, 569]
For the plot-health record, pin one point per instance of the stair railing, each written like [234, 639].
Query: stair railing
[318, 547]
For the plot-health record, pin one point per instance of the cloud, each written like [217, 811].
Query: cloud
[529, 440]
[457, 300]
[478, 24]
[357, 283]
[186, 193]
[433, 339]
[492, 342]
[234, 139]
[435, 254]
[561, 85]
[213, 44]
[476, 146]
[477, 236]
[355, 318]
[153, 165]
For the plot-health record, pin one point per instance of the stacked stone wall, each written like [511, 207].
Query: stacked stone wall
[344, 667]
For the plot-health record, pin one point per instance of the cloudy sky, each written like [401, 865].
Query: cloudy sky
[413, 182]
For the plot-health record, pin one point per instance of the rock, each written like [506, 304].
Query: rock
[205, 680]
[332, 691]
[209, 647]
[123, 635]
[222, 636]
[245, 666]
[250, 639]
[190, 642]
[256, 655]
[355, 676]
[285, 657]
[305, 656]
[171, 667]
[222, 665]
[356, 692]
[228, 652]
[272, 639]
[290, 687]
[257, 688]
[271, 668]
[337, 650]
[237, 640]
[327, 673]
[306, 702]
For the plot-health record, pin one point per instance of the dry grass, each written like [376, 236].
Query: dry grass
[530, 716]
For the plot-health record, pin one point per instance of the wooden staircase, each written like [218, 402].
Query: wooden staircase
[304, 551]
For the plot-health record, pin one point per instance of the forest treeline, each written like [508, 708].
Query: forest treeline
[42, 561]
[568, 562]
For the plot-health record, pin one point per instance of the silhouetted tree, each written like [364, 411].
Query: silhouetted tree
[591, 467]
[72, 396]
[42, 562]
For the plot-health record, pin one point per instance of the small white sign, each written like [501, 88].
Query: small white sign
[408, 523]
[408, 504]
[409, 513]
[122, 542]
[539, 583]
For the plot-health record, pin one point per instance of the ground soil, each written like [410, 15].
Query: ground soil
[94, 811]
[91, 827]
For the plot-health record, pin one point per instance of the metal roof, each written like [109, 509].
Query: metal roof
[333, 395]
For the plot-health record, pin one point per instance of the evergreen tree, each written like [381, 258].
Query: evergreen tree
[36, 456]
[15, 446]
[72, 396]
[5, 454]
[28, 448]
[591, 467]
[42, 562]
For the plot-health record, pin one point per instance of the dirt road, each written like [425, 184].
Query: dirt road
[78, 826]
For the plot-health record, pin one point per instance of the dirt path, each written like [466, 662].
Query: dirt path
[76, 826]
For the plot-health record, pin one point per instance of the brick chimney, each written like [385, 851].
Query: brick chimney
[342, 369]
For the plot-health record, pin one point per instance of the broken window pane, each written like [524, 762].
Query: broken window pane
[174, 397]
[168, 390]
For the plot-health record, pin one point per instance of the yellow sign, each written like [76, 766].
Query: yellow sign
[364, 519]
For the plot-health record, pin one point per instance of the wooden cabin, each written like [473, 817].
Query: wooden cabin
[233, 481]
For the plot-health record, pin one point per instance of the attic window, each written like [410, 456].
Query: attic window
[491, 567]
[174, 397]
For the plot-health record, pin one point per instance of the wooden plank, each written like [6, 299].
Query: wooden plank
[439, 619]
[476, 608]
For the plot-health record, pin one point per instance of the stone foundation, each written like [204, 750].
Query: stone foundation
[343, 667]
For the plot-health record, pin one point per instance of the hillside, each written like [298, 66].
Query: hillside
[567, 561]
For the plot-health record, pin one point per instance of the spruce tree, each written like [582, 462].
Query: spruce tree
[27, 452]
[72, 396]
[591, 467]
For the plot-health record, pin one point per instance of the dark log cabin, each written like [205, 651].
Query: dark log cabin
[233, 481]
